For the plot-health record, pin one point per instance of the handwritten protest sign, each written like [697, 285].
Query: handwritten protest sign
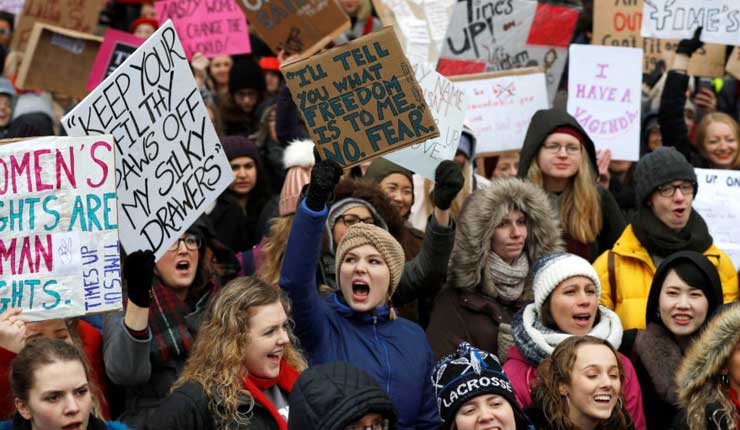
[618, 23]
[116, 48]
[677, 19]
[447, 103]
[718, 202]
[77, 15]
[733, 63]
[361, 99]
[169, 162]
[495, 35]
[13, 6]
[59, 229]
[305, 27]
[604, 95]
[70, 54]
[501, 105]
[212, 27]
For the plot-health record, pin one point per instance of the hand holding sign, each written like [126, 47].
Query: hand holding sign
[12, 330]
[138, 271]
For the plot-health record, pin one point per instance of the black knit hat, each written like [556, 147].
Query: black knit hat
[240, 146]
[333, 396]
[662, 166]
[245, 73]
[467, 374]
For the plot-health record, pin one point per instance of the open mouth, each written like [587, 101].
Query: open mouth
[182, 266]
[679, 212]
[73, 426]
[603, 399]
[275, 356]
[682, 319]
[582, 320]
[360, 291]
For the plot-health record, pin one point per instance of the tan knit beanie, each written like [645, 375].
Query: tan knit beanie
[368, 234]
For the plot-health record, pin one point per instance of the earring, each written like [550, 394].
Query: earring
[725, 380]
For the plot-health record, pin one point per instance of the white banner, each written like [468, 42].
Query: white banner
[677, 19]
[604, 95]
[447, 103]
[169, 162]
[59, 253]
[718, 202]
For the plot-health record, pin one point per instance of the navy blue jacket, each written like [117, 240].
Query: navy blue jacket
[395, 353]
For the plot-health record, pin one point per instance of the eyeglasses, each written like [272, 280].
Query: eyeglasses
[375, 425]
[669, 190]
[349, 220]
[192, 243]
[554, 148]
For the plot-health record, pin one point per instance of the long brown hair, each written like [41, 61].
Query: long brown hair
[217, 359]
[273, 250]
[580, 210]
[706, 121]
[556, 370]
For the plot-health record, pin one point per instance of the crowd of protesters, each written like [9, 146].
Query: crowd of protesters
[546, 288]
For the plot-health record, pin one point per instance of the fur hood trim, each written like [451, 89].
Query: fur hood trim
[480, 215]
[299, 153]
[700, 371]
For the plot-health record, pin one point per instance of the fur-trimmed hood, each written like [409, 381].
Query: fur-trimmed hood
[480, 215]
[699, 373]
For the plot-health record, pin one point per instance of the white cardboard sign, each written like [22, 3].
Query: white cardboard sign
[59, 253]
[169, 162]
[604, 95]
[718, 202]
[677, 19]
[447, 103]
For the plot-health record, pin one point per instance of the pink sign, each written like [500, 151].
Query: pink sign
[212, 27]
[117, 46]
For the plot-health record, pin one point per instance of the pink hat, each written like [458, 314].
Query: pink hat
[299, 160]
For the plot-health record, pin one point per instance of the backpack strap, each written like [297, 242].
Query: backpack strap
[612, 278]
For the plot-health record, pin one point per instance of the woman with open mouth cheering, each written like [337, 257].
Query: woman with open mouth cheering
[566, 304]
[357, 324]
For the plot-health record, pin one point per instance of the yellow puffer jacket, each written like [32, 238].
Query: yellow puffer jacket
[633, 272]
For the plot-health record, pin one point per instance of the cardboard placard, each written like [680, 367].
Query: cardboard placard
[501, 105]
[733, 64]
[604, 95]
[59, 253]
[304, 28]
[498, 36]
[169, 162]
[116, 48]
[619, 24]
[360, 100]
[448, 104]
[77, 15]
[211, 27]
[69, 54]
[718, 202]
[677, 19]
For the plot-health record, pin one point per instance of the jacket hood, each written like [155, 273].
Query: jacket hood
[712, 287]
[542, 124]
[700, 370]
[332, 396]
[480, 215]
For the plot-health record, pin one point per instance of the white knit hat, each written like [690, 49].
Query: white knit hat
[552, 269]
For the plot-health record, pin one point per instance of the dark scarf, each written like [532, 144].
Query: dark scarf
[660, 240]
[170, 334]
[285, 380]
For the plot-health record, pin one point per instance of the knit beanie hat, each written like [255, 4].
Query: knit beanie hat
[552, 269]
[387, 246]
[342, 206]
[298, 159]
[240, 146]
[245, 73]
[466, 374]
[662, 166]
[6, 88]
[380, 168]
[144, 20]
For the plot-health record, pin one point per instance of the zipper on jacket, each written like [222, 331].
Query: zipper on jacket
[387, 356]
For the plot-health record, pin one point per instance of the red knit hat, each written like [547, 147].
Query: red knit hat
[143, 20]
[269, 63]
[566, 129]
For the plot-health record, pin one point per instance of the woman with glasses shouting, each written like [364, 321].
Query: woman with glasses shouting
[145, 347]
[559, 156]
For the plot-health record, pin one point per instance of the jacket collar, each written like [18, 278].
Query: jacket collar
[629, 246]
[379, 314]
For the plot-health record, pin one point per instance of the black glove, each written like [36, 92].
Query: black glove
[689, 46]
[138, 272]
[653, 77]
[449, 181]
[324, 177]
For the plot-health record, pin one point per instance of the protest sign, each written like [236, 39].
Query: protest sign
[501, 105]
[116, 48]
[211, 27]
[447, 103]
[13, 6]
[169, 162]
[677, 19]
[77, 15]
[361, 99]
[604, 95]
[69, 54]
[59, 227]
[718, 202]
[495, 35]
[304, 27]
[733, 63]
